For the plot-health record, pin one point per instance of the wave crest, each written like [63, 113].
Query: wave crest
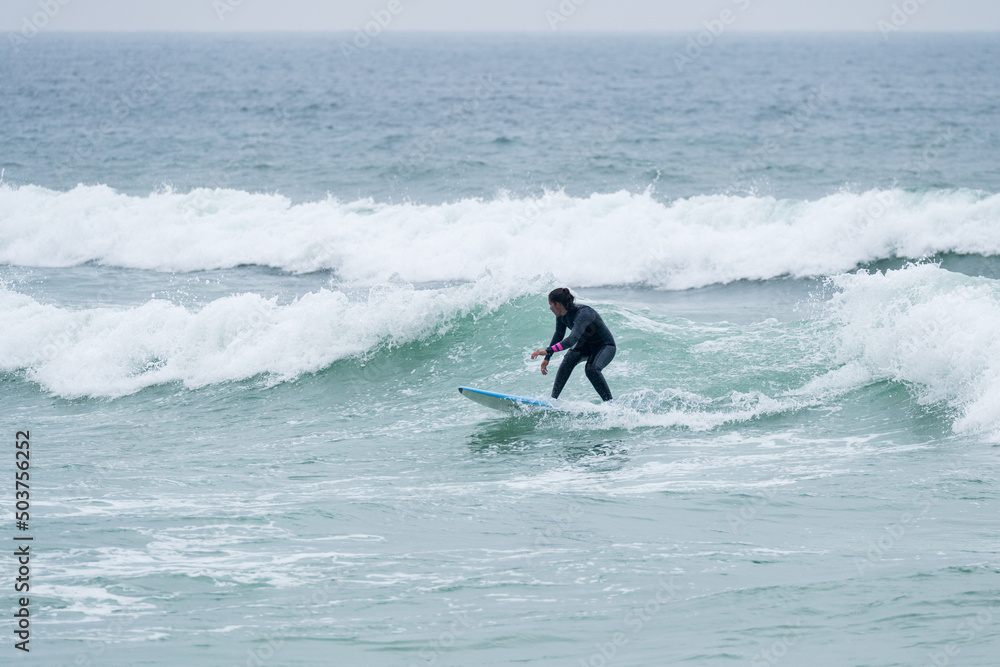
[619, 238]
[112, 352]
[930, 328]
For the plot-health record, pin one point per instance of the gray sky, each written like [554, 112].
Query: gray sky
[536, 15]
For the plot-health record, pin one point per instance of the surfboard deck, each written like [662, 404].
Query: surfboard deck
[504, 402]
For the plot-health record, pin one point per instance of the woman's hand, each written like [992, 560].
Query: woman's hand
[545, 363]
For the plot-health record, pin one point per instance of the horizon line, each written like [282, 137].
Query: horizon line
[521, 31]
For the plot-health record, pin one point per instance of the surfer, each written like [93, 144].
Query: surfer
[589, 339]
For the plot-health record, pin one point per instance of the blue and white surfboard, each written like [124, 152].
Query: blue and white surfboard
[505, 402]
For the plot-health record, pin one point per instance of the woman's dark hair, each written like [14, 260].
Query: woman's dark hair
[563, 296]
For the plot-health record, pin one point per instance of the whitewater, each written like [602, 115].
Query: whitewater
[618, 238]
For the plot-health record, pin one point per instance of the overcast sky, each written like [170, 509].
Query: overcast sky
[538, 15]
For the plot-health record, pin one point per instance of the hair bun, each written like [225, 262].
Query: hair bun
[562, 295]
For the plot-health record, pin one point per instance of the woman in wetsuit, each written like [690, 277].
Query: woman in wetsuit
[589, 339]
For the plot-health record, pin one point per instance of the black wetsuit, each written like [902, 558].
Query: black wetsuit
[589, 338]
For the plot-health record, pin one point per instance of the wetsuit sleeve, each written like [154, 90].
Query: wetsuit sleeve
[584, 319]
[560, 332]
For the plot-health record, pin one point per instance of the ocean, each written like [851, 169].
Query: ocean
[242, 278]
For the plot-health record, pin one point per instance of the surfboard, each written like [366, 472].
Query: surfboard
[505, 402]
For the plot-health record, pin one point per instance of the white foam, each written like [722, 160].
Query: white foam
[619, 238]
[933, 329]
[114, 352]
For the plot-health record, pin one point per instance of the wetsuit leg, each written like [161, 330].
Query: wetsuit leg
[595, 364]
[569, 362]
